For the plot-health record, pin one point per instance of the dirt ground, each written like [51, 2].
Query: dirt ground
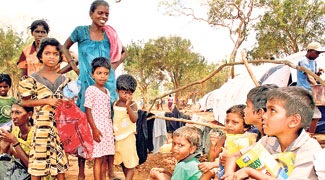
[141, 173]
[163, 160]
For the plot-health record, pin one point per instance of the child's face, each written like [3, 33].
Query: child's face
[50, 56]
[101, 75]
[4, 88]
[182, 148]
[275, 120]
[250, 115]
[234, 123]
[100, 15]
[124, 95]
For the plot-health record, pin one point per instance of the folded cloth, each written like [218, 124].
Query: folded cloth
[115, 42]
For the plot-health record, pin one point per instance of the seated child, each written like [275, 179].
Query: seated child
[235, 128]
[254, 111]
[289, 111]
[185, 143]
[6, 101]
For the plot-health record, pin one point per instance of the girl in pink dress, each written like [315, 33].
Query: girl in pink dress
[98, 111]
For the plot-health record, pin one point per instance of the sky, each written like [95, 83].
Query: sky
[134, 20]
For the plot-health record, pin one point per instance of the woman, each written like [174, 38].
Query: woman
[20, 138]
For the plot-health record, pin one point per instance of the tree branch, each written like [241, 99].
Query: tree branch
[285, 62]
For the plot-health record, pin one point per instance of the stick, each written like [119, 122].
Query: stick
[214, 126]
[243, 56]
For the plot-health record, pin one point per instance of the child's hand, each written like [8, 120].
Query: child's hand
[155, 173]
[128, 98]
[97, 135]
[214, 137]
[223, 157]
[241, 174]
[54, 102]
[206, 166]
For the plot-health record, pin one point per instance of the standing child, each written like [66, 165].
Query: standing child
[125, 117]
[186, 141]
[235, 125]
[43, 91]
[98, 112]
[289, 111]
[6, 101]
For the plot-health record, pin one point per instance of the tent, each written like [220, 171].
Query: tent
[235, 90]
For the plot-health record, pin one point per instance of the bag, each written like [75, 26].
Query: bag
[73, 129]
[12, 169]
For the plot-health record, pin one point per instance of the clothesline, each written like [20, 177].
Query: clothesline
[214, 126]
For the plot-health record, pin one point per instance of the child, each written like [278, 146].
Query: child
[186, 140]
[43, 91]
[98, 112]
[235, 124]
[125, 117]
[254, 111]
[6, 101]
[289, 111]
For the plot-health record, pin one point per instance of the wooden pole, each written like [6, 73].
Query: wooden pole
[243, 56]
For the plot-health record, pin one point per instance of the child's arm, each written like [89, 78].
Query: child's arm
[248, 172]
[160, 174]
[96, 132]
[216, 145]
[27, 101]
[131, 108]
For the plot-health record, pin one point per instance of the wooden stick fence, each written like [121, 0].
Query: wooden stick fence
[214, 126]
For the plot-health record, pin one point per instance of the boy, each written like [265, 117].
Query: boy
[289, 111]
[124, 123]
[185, 143]
[5, 100]
[254, 111]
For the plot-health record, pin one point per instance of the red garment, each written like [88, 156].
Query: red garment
[74, 130]
[115, 42]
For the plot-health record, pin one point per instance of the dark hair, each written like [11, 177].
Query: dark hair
[296, 100]
[97, 3]
[51, 42]
[27, 109]
[239, 109]
[39, 22]
[126, 82]
[100, 62]
[191, 134]
[258, 97]
[5, 78]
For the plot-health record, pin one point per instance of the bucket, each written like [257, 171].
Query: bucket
[318, 92]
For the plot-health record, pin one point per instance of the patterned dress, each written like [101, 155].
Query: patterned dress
[46, 156]
[98, 102]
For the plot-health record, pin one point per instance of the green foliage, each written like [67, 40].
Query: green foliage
[288, 26]
[11, 45]
[171, 61]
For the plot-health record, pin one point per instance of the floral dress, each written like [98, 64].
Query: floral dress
[46, 156]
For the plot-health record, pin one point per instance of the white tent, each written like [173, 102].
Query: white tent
[235, 90]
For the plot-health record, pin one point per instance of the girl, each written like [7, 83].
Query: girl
[28, 61]
[98, 112]
[235, 124]
[43, 90]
